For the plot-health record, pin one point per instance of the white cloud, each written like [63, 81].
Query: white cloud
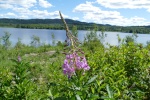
[23, 17]
[16, 3]
[7, 15]
[22, 11]
[11, 14]
[87, 7]
[5, 6]
[92, 13]
[26, 13]
[40, 12]
[75, 18]
[132, 4]
[26, 3]
[45, 14]
[1, 16]
[148, 10]
[44, 3]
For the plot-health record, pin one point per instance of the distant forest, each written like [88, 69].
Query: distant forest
[57, 24]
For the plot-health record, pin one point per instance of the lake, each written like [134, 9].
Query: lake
[45, 35]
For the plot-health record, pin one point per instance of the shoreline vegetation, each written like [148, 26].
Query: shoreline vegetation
[57, 24]
[40, 72]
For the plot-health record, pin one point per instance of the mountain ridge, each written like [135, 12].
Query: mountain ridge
[43, 21]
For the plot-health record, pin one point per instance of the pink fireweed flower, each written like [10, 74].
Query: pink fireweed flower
[70, 56]
[82, 64]
[72, 63]
[68, 68]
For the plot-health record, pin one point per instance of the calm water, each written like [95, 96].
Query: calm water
[45, 35]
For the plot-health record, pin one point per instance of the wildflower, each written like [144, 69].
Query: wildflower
[68, 68]
[19, 59]
[69, 56]
[82, 64]
[72, 63]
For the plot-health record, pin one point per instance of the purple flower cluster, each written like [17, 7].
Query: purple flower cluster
[74, 62]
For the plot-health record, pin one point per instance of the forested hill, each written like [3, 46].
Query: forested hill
[57, 24]
[39, 21]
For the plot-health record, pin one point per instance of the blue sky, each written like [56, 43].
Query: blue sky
[114, 12]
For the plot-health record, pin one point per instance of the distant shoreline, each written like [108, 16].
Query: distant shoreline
[56, 24]
[70, 29]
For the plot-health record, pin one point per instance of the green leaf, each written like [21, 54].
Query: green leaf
[110, 94]
[106, 98]
[112, 81]
[94, 97]
[78, 97]
[79, 92]
[92, 79]
[60, 98]
[92, 89]
[50, 93]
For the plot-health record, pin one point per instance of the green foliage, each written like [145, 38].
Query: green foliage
[60, 44]
[18, 85]
[53, 39]
[6, 41]
[130, 39]
[75, 31]
[93, 40]
[35, 41]
[19, 44]
[117, 72]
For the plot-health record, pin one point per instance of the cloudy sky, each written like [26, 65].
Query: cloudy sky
[114, 12]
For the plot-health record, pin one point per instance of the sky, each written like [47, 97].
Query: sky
[113, 12]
